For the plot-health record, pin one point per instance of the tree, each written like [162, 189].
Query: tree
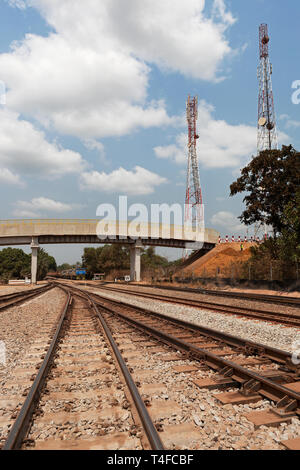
[105, 259]
[289, 241]
[116, 257]
[14, 264]
[150, 260]
[65, 266]
[271, 180]
[45, 263]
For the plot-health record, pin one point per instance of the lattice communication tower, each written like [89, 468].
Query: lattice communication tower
[194, 214]
[267, 133]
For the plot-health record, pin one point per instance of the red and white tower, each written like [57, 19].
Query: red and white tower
[267, 133]
[194, 212]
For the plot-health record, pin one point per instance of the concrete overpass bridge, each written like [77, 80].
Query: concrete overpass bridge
[93, 231]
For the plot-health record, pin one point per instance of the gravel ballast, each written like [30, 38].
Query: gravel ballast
[263, 332]
[20, 326]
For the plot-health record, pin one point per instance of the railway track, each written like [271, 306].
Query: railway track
[82, 379]
[275, 299]
[252, 370]
[120, 377]
[276, 317]
[17, 371]
[16, 298]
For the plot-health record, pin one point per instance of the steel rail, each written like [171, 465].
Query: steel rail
[149, 428]
[281, 300]
[278, 317]
[13, 295]
[19, 297]
[22, 423]
[267, 387]
[246, 346]
[147, 423]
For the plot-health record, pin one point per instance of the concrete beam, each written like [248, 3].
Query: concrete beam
[34, 254]
[13, 241]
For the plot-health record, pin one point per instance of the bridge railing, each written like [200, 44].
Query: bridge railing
[47, 221]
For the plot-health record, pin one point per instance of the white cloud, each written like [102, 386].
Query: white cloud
[6, 176]
[93, 144]
[220, 144]
[17, 3]
[139, 181]
[38, 206]
[173, 34]
[292, 123]
[90, 94]
[289, 124]
[24, 214]
[229, 224]
[236, 173]
[219, 9]
[177, 153]
[90, 77]
[282, 117]
[25, 150]
[43, 203]
[229, 221]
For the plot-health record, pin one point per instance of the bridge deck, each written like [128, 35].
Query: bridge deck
[21, 232]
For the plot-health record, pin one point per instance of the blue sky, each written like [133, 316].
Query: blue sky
[95, 102]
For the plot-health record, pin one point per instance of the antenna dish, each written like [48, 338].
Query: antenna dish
[265, 39]
[262, 121]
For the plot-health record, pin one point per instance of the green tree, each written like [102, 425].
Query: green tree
[46, 263]
[271, 180]
[117, 257]
[64, 266]
[105, 258]
[289, 241]
[150, 260]
[14, 264]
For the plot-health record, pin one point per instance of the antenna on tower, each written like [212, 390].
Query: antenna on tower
[267, 133]
[194, 213]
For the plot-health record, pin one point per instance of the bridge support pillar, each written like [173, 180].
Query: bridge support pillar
[135, 262]
[34, 254]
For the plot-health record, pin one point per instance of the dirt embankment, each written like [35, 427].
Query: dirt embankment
[223, 261]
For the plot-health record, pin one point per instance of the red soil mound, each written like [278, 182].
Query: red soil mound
[222, 261]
